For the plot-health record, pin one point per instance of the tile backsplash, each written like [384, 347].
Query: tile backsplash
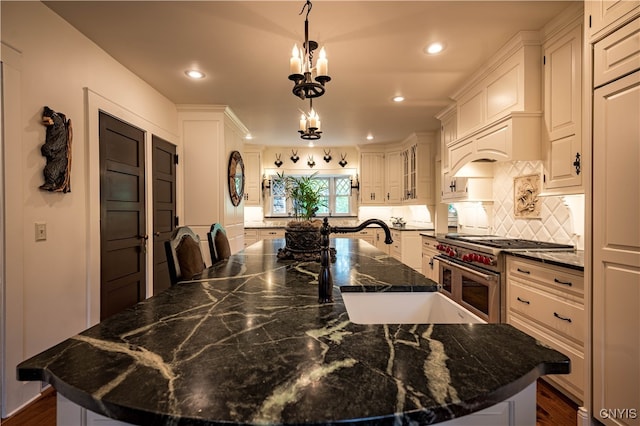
[561, 218]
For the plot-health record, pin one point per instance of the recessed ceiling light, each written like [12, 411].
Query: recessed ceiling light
[369, 137]
[195, 74]
[249, 136]
[434, 48]
[398, 98]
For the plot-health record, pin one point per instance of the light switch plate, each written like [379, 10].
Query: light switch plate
[41, 231]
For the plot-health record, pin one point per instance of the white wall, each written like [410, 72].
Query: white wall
[51, 287]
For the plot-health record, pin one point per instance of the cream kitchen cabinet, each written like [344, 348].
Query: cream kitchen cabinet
[380, 236]
[418, 169]
[250, 237]
[393, 173]
[372, 178]
[510, 81]
[448, 134]
[547, 302]
[562, 139]
[401, 173]
[253, 178]
[616, 229]
[406, 248]
[253, 235]
[605, 16]
[453, 188]
[367, 234]
[430, 267]
[456, 189]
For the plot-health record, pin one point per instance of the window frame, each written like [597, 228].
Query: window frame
[331, 208]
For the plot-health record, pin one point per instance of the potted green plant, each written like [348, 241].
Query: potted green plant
[302, 233]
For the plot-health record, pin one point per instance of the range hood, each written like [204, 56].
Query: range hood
[498, 112]
[514, 137]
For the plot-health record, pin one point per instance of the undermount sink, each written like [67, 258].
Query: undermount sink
[406, 308]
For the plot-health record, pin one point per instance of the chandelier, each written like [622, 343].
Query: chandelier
[308, 80]
[310, 124]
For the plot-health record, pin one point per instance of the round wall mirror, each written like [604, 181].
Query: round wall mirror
[236, 178]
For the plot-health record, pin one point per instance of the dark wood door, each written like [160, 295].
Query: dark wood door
[164, 208]
[122, 216]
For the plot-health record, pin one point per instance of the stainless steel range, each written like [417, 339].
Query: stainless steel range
[472, 270]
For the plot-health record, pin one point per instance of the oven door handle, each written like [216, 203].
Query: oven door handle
[489, 276]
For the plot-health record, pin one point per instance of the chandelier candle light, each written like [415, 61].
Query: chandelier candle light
[310, 124]
[303, 73]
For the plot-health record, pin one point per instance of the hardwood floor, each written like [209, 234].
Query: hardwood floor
[554, 409]
[41, 412]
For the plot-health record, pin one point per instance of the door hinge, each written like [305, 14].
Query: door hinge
[175, 159]
[176, 221]
[589, 21]
[544, 60]
[544, 178]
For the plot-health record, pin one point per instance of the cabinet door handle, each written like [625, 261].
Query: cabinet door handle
[523, 271]
[526, 302]
[562, 282]
[555, 314]
[576, 163]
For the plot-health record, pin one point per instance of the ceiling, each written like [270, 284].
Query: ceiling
[375, 51]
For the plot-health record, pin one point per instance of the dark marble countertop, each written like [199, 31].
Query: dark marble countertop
[249, 344]
[395, 228]
[410, 228]
[567, 259]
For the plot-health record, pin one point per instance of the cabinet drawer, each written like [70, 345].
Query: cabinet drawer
[268, 234]
[573, 382]
[617, 54]
[251, 233]
[429, 243]
[562, 316]
[556, 278]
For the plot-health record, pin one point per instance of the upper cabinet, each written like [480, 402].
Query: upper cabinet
[418, 174]
[393, 174]
[253, 176]
[498, 113]
[372, 178]
[448, 133]
[562, 133]
[604, 17]
[400, 173]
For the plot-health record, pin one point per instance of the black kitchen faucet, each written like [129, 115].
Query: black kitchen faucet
[325, 282]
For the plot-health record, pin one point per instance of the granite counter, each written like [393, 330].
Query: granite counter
[249, 344]
[566, 259]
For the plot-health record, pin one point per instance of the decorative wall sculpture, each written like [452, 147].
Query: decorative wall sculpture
[343, 161]
[526, 201]
[57, 150]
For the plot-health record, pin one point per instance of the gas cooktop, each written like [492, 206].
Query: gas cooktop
[506, 243]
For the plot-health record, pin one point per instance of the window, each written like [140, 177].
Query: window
[336, 191]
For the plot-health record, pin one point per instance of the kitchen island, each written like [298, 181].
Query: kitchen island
[249, 344]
